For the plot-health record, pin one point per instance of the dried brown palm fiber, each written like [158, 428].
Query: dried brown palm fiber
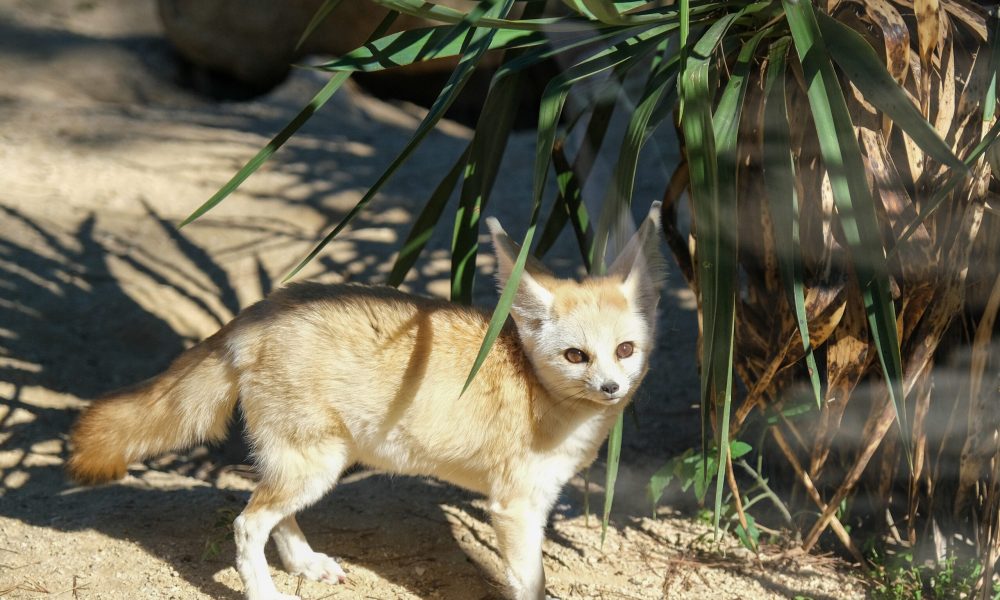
[838, 528]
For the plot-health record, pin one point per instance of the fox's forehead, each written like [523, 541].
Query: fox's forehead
[595, 294]
[594, 314]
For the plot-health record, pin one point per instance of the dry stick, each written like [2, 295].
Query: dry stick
[767, 491]
[890, 459]
[875, 429]
[737, 501]
[975, 452]
[756, 396]
[835, 524]
[992, 526]
[922, 407]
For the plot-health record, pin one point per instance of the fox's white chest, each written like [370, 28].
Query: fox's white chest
[551, 470]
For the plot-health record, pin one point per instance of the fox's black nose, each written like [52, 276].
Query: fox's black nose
[610, 387]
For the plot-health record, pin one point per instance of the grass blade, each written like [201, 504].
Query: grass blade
[684, 34]
[568, 206]
[779, 169]
[624, 178]
[321, 98]
[855, 206]
[570, 179]
[724, 223]
[716, 250]
[703, 165]
[322, 13]
[487, 149]
[419, 45]
[614, 457]
[554, 96]
[488, 145]
[658, 15]
[601, 10]
[607, 12]
[445, 14]
[428, 219]
[506, 300]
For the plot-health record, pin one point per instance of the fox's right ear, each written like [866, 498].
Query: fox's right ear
[532, 300]
[641, 265]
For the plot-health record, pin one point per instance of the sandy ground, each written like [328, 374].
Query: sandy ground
[101, 154]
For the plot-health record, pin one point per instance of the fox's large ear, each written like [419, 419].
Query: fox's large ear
[532, 300]
[641, 264]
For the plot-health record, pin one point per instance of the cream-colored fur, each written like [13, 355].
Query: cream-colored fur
[331, 375]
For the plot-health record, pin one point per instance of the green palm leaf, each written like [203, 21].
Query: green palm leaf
[419, 45]
[779, 170]
[426, 222]
[868, 73]
[853, 198]
[479, 43]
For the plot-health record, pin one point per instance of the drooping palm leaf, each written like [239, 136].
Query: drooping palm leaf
[478, 43]
[779, 168]
[420, 45]
[855, 206]
[321, 98]
[322, 13]
[424, 225]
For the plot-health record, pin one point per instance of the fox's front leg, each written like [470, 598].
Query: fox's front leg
[520, 528]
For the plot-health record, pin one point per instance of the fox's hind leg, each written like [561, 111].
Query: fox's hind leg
[300, 559]
[292, 478]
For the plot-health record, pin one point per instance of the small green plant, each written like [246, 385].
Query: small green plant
[899, 577]
[695, 471]
[221, 531]
[691, 469]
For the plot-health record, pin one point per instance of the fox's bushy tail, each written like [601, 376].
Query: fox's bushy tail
[188, 404]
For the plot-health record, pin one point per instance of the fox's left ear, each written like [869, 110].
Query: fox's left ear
[641, 264]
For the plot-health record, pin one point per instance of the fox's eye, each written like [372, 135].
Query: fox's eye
[625, 350]
[575, 355]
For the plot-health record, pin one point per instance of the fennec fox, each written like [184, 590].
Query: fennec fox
[330, 375]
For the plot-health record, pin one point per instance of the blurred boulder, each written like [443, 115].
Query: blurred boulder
[253, 41]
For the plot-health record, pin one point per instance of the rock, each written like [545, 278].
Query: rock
[253, 41]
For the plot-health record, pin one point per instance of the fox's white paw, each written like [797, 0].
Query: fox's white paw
[317, 567]
[275, 596]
